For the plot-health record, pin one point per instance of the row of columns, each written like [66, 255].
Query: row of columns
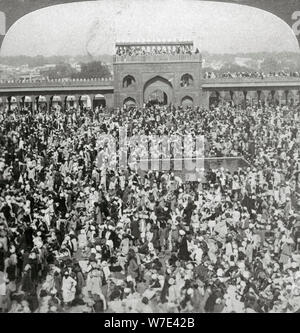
[46, 102]
[282, 97]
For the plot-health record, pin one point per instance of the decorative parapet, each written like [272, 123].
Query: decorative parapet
[56, 83]
[267, 79]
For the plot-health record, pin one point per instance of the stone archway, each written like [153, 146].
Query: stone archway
[158, 88]
[187, 102]
[129, 102]
[99, 101]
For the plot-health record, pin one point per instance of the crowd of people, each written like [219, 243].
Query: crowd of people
[253, 75]
[163, 49]
[78, 234]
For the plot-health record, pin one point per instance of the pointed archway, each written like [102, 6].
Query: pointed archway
[158, 89]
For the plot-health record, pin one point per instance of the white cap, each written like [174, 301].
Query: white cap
[171, 281]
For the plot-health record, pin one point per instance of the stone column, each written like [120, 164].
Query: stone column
[35, 103]
[273, 92]
[222, 95]
[204, 99]
[297, 96]
[266, 95]
[294, 95]
[4, 100]
[286, 95]
[49, 102]
[258, 94]
[244, 102]
[48, 99]
[9, 102]
[234, 97]
[252, 95]
[280, 94]
[92, 96]
[76, 102]
[217, 95]
[64, 102]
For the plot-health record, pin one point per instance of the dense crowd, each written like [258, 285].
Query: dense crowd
[142, 50]
[253, 75]
[78, 234]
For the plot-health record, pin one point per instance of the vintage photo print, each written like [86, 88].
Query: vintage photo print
[149, 159]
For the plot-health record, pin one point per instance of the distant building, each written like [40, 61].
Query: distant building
[76, 66]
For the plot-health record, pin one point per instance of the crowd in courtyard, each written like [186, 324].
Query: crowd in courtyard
[253, 75]
[79, 234]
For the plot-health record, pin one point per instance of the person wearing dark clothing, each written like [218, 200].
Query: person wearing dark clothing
[183, 253]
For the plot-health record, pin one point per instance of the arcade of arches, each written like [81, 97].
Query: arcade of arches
[159, 90]
[278, 97]
[46, 102]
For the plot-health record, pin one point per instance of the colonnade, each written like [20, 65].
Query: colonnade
[47, 102]
[278, 96]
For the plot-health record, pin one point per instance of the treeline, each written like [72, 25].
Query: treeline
[94, 69]
[262, 62]
[40, 60]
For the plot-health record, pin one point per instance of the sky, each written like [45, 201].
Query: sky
[94, 27]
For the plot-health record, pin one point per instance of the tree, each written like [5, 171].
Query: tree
[270, 64]
[94, 69]
[61, 70]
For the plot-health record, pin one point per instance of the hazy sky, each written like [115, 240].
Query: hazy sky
[94, 27]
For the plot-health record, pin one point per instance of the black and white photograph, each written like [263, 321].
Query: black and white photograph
[149, 159]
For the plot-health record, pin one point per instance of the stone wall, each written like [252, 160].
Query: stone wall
[170, 71]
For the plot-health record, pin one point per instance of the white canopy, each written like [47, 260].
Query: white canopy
[99, 96]
[42, 99]
[71, 98]
[56, 99]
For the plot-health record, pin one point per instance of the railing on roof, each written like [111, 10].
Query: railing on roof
[252, 79]
[155, 43]
[57, 83]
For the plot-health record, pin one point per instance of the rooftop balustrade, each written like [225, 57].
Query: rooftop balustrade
[57, 83]
[252, 79]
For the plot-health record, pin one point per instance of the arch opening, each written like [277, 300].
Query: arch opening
[70, 102]
[158, 90]
[186, 80]
[99, 102]
[56, 102]
[128, 81]
[129, 102]
[187, 102]
[85, 101]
